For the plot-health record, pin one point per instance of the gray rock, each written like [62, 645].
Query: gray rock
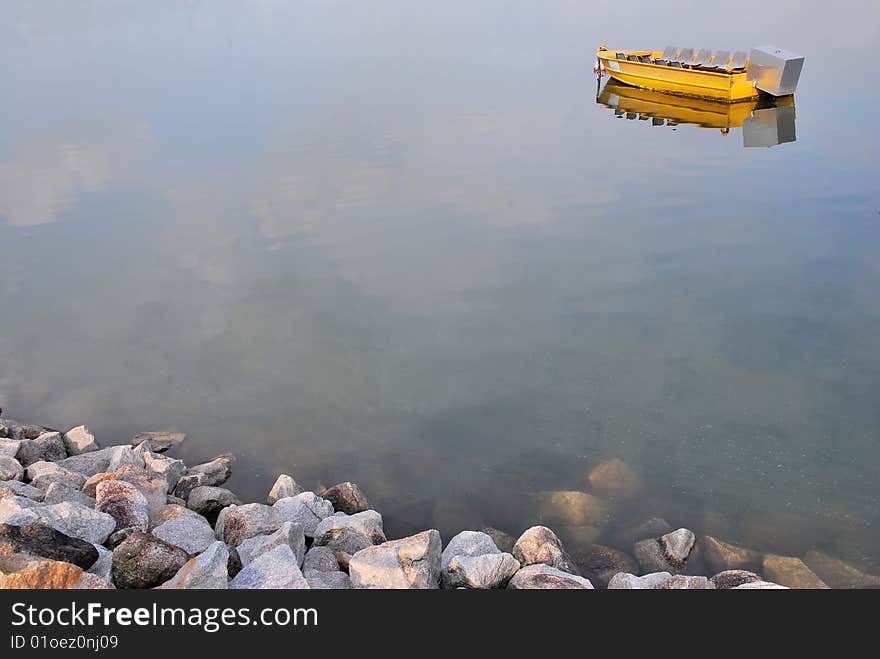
[79, 440]
[124, 503]
[320, 580]
[625, 581]
[760, 585]
[283, 487]
[168, 469]
[667, 553]
[504, 541]
[192, 534]
[276, 569]
[46, 542]
[539, 576]
[733, 578]
[145, 561]
[126, 455]
[9, 447]
[306, 509]
[186, 484]
[288, 534]
[207, 571]
[17, 488]
[350, 533]
[347, 498]
[653, 527]
[41, 474]
[320, 559]
[103, 567]
[58, 492]
[471, 560]
[207, 500]
[10, 469]
[539, 544]
[599, 563]
[409, 563]
[153, 488]
[89, 464]
[249, 520]
[49, 447]
[78, 521]
[18, 510]
[684, 582]
[215, 472]
[15, 430]
[159, 441]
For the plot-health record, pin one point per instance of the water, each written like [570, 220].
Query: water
[402, 244]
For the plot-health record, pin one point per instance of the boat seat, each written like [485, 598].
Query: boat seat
[645, 58]
[661, 62]
[620, 55]
[719, 61]
[739, 61]
[669, 53]
[675, 65]
[701, 59]
[685, 56]
[632, 58]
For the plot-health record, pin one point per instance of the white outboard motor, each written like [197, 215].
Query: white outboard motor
[774, 70]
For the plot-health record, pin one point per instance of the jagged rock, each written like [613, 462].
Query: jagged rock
[625, 581]
[792, 572]
[192, 534]
[10, 469]
[9, 447]
[124, 502]
[41, 474]
[57, 492]
[320, 559]
[347, 498]
[539, 544]
[306, 509]
[504, 541]
[543, 577]
[105, 460]
[207, 571]
[411, 563]
[320, 580]
[145, 561]
[17, 488]
[103, 567]
[90, 487]
[615, 479]
[668, 553]
[733, 578]
[48, 447]
[44, 541]
[838, 574]
[22, 572]
[126, 455]
[653, 527]
[720, 556]
[472, 560]
[79, 440]
[571, 508]
[209, 501]
[77, 521]
[283, 487]
[19, 431]
[760, 585]
[153, 488]
[276, 569]
[18, 510]
[684, 582]
[170, 470]
[215, 472]
[159, 441]
[600, 563]
[290, 534]
[175, 511]
[350, 533]
[186, 484]
[248, 520]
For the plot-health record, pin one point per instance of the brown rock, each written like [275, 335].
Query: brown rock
[792, 572]
[504, 541]
[346, 497]
[571, 508]
[24, 573]
[91, 485]
[615, 479]
[540, 545]
[599, 563]
[145, 561]
[838, 574]
[720, 556]
[734, 578]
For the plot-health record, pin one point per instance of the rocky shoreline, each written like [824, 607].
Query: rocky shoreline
[75, 515]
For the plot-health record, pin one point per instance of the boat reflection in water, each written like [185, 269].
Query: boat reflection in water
[765, 121]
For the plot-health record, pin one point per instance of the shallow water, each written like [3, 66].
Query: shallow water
[403, 244]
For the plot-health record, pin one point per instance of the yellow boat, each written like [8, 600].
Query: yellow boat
[711, 75]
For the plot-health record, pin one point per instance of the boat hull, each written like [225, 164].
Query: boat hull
[729, 87]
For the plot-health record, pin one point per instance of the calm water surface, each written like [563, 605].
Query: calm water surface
[402, 243]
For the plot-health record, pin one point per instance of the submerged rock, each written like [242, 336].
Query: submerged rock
[625, 581]
[600, 563]
[409, 563]
[159, 441]
[838, 574]
[145, 561]
[668, 553]
[44, 541]
[792, 572]
[504, 541]
[571, 508]
[544, 577]
[472, 560]
[720, 556]
[276, 569]
[207, 571]
[79, 440]
[350, 533]
[653, 527]
[283, 487]
[615, 479]
[347, 498]
[539, 544]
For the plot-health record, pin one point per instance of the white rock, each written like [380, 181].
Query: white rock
[284, 487]
[9, 447]
[102, 567]
[626, 581]
[19, 511]
[306, 509]
[192, 534]
[472, 560]
[409, 563]
[539, 576]
[79, 440]
[760, 585]
[207, 571]
[77, 521]
[289, 534]
[58, 492]
[41, 474]
[249, 520]
[276, 569]
[169, 469]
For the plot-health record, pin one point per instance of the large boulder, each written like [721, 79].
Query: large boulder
[305, 509]
[472, 560]
[192, 534]
[207, 571]
[626, 581]
[41, 474]
[276, 569]
[721, 556]
[124, 502]
[56, 493]
[838, 574]
[288, 534]
[409, 563]
[208, 501]
[543, 577]
[77, 521]
[615, 479]
[792, 572]
[159, 441]
[46, 542]
[571, 508]
[283, 487]
[347, 498]
[48, 447]
[668, 553]
[79, 440]
[350, 533]
[249, 520]
[539, 544]
[10, 469]
[600, 563]
[152, 487]
[145, 561]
